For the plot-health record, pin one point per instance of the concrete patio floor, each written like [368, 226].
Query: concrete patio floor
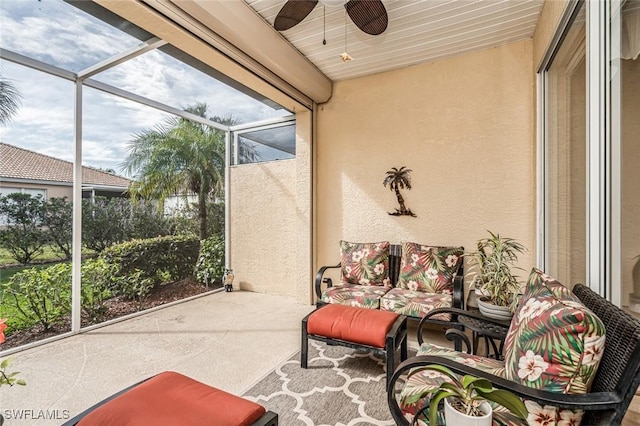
[227, 340]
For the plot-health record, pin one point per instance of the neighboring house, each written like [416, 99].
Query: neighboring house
[29, 172]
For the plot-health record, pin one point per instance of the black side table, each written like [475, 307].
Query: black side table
[492, 331]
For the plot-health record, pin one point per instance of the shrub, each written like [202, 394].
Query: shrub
[160, 259]
[134, 286]
[105, 221]
[23, 235]
[41, 295]
[210, 264]
[148, 221]
[58, 220]
[186, 221]
[97, 283]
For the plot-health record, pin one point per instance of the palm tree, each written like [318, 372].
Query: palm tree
[398, 179]
[180, 156]
[9, 100]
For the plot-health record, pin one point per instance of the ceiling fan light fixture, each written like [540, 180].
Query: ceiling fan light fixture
[346, 57]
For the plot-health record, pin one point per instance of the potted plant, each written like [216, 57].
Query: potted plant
[466, 399]
[495, 281]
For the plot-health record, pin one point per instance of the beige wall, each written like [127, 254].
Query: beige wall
[52, 190]
[465, 126]
[547, 23]
[271, 221]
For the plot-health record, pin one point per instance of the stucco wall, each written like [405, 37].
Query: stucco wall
[263, 211]
[271, 221]
[550, 15]
[57, 191]
[465, 126]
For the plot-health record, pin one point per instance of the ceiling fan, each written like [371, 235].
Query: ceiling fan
[368, 15]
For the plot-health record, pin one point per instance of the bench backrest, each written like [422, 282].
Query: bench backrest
[395, 256]
[619, 369]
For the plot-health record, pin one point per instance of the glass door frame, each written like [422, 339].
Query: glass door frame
[603, 186]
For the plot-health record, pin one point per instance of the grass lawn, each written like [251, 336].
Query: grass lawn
[47, 255]
[7, 273]
[7, 309]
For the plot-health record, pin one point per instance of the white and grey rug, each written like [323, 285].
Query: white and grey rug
[341, 387]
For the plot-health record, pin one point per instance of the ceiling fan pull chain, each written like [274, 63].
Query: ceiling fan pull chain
[324, 24]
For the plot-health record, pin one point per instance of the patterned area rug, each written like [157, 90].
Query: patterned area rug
[341, 387]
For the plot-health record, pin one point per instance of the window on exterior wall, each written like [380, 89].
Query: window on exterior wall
[565, 161]
[265, 143]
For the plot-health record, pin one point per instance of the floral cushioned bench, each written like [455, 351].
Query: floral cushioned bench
[555, 359]
[410, 279]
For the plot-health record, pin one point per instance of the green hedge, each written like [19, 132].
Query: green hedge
[210, 265]
[132, 269]
[160, 259]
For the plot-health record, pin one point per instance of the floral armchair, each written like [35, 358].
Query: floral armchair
[410, 279]
[555, 359]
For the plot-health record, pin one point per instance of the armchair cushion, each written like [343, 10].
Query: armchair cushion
[429, 269]
[554, 342]
[365, 263]
[415, 303]
[361, 296]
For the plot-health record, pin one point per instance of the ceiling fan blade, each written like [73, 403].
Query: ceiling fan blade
[292, 13]
[368, 15]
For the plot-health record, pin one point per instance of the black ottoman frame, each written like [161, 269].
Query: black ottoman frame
[396, 337]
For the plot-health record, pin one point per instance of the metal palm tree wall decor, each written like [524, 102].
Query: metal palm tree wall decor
[398, 179]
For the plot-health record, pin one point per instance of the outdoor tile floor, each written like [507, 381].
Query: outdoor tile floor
[227, 340]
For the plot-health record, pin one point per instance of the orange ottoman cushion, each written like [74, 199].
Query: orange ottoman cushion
[170, 399]
[351, 324]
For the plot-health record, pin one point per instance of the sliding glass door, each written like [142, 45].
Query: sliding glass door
[590, 150]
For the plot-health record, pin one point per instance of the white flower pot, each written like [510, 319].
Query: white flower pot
[456, 418]
[494, 311]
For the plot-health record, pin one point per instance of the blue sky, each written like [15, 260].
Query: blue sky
[61, 35]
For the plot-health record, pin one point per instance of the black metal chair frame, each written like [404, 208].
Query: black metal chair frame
[395, 258]
[396, 338]
[268, 419]
[613, 388]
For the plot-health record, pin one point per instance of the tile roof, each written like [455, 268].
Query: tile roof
[20, 163]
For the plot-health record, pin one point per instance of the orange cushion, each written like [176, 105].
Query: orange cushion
[356, 325]
[170, 399]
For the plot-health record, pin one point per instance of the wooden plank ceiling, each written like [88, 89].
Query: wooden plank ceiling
[418, 32]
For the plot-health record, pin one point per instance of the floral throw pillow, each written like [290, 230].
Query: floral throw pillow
[554, 342]
[429, 269]
[365, 263]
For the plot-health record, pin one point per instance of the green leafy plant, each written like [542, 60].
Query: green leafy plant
[470, 391]
[22, 235]
[57, 219]
[210, 264]
[96, 289]
[160, 259]
[134, 286]
[105, 221]
[7, 378]
[492, 262]
[41, 295]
